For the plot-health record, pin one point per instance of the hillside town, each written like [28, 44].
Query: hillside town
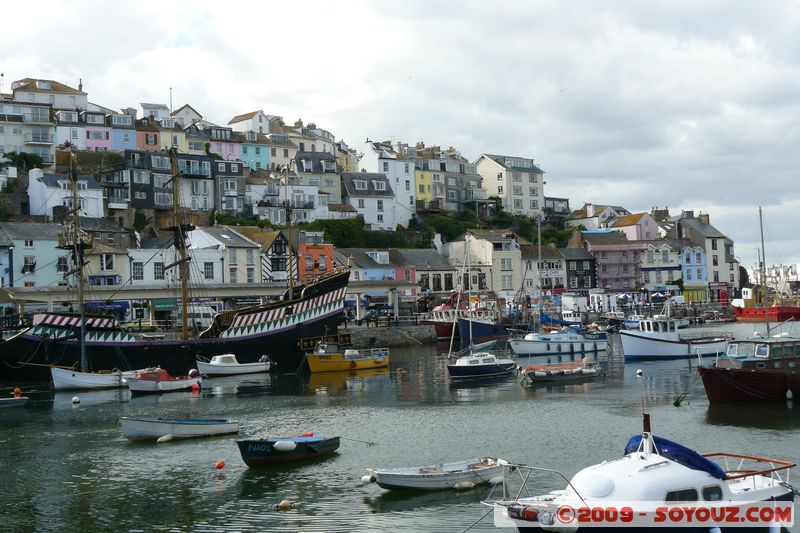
[239, 174]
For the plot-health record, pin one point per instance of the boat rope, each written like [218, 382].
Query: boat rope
[744, 388]
[367, 442]
[473, 524]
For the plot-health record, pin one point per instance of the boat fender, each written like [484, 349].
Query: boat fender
[76, 400]
[284, 446]
[498, 480]
[530, 514]
[789, 394]
[17, 392]
[639, 372]
[714, 529]
[192, 373]
[195, 387]
[309, 434]
[464, 485]
[523, 371]
[286, 505]
[219, 465]
[352, 364]
[540, 374]
[165, 438]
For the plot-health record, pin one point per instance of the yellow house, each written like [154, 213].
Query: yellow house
[423, 180]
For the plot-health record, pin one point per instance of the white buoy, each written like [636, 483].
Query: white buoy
[464, 485]
[639, 372]
[367, 478]
[789, 394]
[284, 446]
[714, 529]
[285, 505]
[76, 400]
[165, 438]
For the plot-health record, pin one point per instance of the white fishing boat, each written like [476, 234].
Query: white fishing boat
[457, 475]
[565, 341]
[71, 379]
[14, 401]
[653, 473]
[632, 321]
[179, 428]
[228, 365]
[158, 381]
[658, 338]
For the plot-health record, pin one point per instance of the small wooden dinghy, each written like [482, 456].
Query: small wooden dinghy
[180, 428]
[457, 475]
[14, 401]
[561, 372]
[158, 380]
[273, 450]
[228, 365]
[71, 379]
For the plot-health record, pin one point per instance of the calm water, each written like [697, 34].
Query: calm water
[68, 468]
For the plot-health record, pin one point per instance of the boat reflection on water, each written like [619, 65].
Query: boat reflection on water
[480, 383]
[242, 385]
[399, 501]
[63, 399]
[269, 481]
[349, 380]
[756, 414]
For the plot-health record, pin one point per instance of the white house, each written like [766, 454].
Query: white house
[49, 191]
[517, 181]
[241, 256]
[380, 157]
[594, 216]
[158, 112]
[147, 266]
[267, 195]
[256, 121]
[372, 197]
[51, 92]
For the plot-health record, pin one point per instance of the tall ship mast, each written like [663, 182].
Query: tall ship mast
[307, 308]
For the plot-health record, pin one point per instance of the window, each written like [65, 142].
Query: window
[499, 176]
[713, 244]
[233, 275]
[361, 203]
[323, 262]
[379, 185]
[28, 244]
[221, 167]
[681, 496]
[158, 271]
[273, 152]
[533, 178]
[234, 167]
[505, 263]
[250, 256]
[716, 276]
[106, 261]
[515, 176]
[386, 166]
[507, 282]
[285, 152]
[587, 282]
[712, 493]
[151, 139]
[380, 217]
[586, 265]
[699, 274]
[360, 185]
[573, 283]
[232, 256]
[665, 256]
[137, 268]
[140, 195]
[408, 184]
[251, 275]
[406, 168]
[688, 274]
[534, 204]
[499, 189]
[61, 265]
[715, 260]
[410, 200]
[380, 205]
[517, 190]
[534, 191]
[699, 259]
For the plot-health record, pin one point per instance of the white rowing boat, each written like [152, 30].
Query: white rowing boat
[178, 428]
[457, 475]
[14, 401]
[69, 379]
[228, 365]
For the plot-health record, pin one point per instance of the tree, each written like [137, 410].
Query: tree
[744, 277]
[212, 154]
[24, 160]
[141, 221]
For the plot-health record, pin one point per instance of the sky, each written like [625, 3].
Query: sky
[680, 104]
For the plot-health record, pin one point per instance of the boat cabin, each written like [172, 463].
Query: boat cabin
[658, 324]
[780, 353]
[480, 358]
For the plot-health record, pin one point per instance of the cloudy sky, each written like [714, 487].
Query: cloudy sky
[686, 104]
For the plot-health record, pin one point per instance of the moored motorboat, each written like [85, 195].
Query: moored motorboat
[652, 474]
[758, 368]
[632, 321]
[135, 428]
[566, 341]
[158, 381]
[71, 379]
[331, 358]
[658, 338]
[476, 329]
[479, 365]
[274, 450]
[228, 365]
[460, 474]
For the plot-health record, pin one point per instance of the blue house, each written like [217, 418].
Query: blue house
[694, 269]
[28, 250]
[255, 150]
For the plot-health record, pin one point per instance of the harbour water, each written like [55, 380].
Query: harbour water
[68, 468]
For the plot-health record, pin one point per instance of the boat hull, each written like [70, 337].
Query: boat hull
[67, 379]
[760, 314]
[637, 347]
[480, 371]
[339, 362]
[207, 369]
[592, 343]
[17, 401]
[480, 331]
[262, 452]
[736, 384]
[153, 428]
[437, 481]
[153, 386]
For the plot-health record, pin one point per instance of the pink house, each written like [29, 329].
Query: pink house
[222, 142]
[148, 135]
[637, 227]
[98, 138]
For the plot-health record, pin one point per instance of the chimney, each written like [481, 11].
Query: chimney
[687, 214]
[298, 123]
[80, 84]
[589, 210]
[703, 217]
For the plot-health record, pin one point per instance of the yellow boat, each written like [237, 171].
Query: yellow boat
[329, 358]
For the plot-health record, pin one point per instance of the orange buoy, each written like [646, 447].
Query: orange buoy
[219, 465]
[17, 392]
[195, 387]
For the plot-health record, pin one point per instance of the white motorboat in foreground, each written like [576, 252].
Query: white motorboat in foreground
[652, 474]
[457, 475]
[658, 338]
[158, 380]
[70, 379]
[228, 365]
[178, 428]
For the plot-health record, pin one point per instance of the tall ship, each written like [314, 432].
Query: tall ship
[94, 343]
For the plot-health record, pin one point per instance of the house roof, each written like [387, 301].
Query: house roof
[229, 236]
[242, 137]
[628, 220]
[31, 85]
[361, 259]
[371, 178]
[706, 230]
[598, 208]
[244, 116]
[100, 224]
[32, 231]
[504, 160]
[264, 237]
[157, 243]
[342, 208]
[531, 252]
[494, 235]
[316, 159]
[51, 180]
[604, 237]
[145, 105]
[680, 244]
[576, 254]
[420, 258]
[196, 112]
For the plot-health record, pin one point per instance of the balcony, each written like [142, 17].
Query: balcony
[47, 159]
[474, 194]
[233, 192]
[36, 118]
[303, 205]
[38, 138]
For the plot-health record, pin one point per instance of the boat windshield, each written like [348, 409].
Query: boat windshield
[747, 349]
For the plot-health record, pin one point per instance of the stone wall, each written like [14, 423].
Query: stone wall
[15, 203]
[364, 337]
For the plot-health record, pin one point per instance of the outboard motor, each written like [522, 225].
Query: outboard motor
[193, 372]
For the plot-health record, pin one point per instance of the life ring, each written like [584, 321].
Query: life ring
[352, 364]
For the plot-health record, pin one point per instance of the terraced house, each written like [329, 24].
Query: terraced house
[517, 181]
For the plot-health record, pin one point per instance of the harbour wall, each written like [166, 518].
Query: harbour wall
[403, 335]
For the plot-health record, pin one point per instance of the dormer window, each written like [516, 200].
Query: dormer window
[360, 185]
[251, 136]
[44, 85]
[379, 185]
[167, 123]
[381, 258]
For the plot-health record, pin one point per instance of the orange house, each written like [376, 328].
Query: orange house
[314, 256]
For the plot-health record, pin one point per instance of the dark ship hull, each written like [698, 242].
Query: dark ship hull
[737, 384]
[273, 330]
